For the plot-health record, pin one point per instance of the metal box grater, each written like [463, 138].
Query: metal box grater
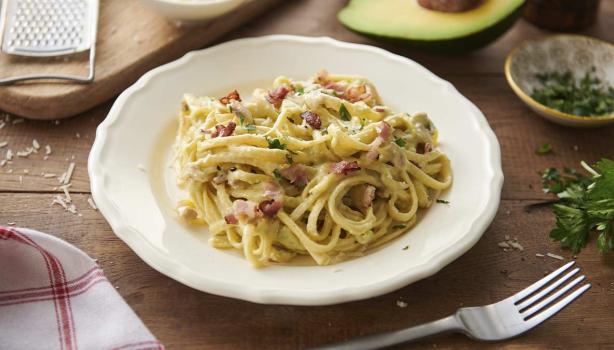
[45, 28]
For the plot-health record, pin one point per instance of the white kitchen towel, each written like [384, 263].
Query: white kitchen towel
[54, 296]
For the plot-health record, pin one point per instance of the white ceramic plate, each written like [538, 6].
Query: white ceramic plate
[140, 127]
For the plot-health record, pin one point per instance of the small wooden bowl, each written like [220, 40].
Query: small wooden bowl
[575, 53]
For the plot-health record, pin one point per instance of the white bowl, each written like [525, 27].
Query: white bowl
[139, 205]
[192, 10]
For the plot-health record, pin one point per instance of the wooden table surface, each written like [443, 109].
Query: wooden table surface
[183, 318]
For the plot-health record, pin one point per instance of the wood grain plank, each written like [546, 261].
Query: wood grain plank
[519, 130]
[184, 318]
[132, 39]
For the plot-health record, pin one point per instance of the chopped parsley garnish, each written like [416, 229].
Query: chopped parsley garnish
[239, 114]
[299, 90]
[398, 226]
[277, 175]
[585, 205]
[544, 149]
[343, 113]
[275, 144]
[443, 201]
[406, 247]
[363, 122]
[250, 127]
[400, 142]
[289, 158]
[589, 97]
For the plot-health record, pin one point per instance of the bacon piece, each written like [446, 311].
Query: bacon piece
[368, 196]
[313, 119]
[270, 207]
[276, 96]
[233, 95]
[384, 131]
[231, 219]
[357, 93]
[380, 109]
[344, 167]
[321, 77]
[244, 210]
[223, 131]
[336, 87]
[423, 148]
[296, 174]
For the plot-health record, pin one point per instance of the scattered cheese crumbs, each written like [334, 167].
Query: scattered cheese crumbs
[539, 255]
[3, 143]
[509, 244]
[49, 175]
[2, 124]
[10, 171]
[35, 144]
[9, 154]
[12, 223]
[20, 179]
[23, 154]
[575, 148]
[26, 171]
[90, 201]
[516, 245]
[3, 162]
[78, 135]
[47, 149]
[66, 194]
[18, 121]
[141, 167]
[401, 304]
[45, 157]
[503, 245]
[69, 171]
[56, 122]
[554, 256]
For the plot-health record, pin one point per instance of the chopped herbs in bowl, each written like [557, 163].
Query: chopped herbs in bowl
[565, 79]
[587, 97]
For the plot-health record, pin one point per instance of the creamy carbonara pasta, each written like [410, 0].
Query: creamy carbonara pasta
[319, 168]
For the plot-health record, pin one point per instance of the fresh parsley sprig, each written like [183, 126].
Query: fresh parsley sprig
[585, 205]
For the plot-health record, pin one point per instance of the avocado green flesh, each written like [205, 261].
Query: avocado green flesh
[406, 21]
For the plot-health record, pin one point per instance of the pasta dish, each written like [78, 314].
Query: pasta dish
[318, 167]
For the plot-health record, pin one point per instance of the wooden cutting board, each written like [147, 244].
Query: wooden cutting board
[132, 39]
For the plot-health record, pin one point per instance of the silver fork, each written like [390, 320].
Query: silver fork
[506, 319]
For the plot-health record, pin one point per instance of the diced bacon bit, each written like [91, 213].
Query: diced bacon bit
[368, 196]
[321, 77]
[224, 130]
[233, 95]
[344, 167]
[380, 109]
[357, 93]
[384, 131]
[296, 174]
[231, 219]
[338, 88]
[275, 97]
[423, 148]
[244, 209]
[313, 119]
[270, 207]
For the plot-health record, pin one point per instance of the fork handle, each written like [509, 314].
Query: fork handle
[376, 341]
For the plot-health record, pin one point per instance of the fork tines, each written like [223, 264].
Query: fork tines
[548, 292]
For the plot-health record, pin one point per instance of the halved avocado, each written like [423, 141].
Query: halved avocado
[406, 21]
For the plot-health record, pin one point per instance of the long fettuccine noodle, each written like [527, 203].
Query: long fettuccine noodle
[275, 181]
